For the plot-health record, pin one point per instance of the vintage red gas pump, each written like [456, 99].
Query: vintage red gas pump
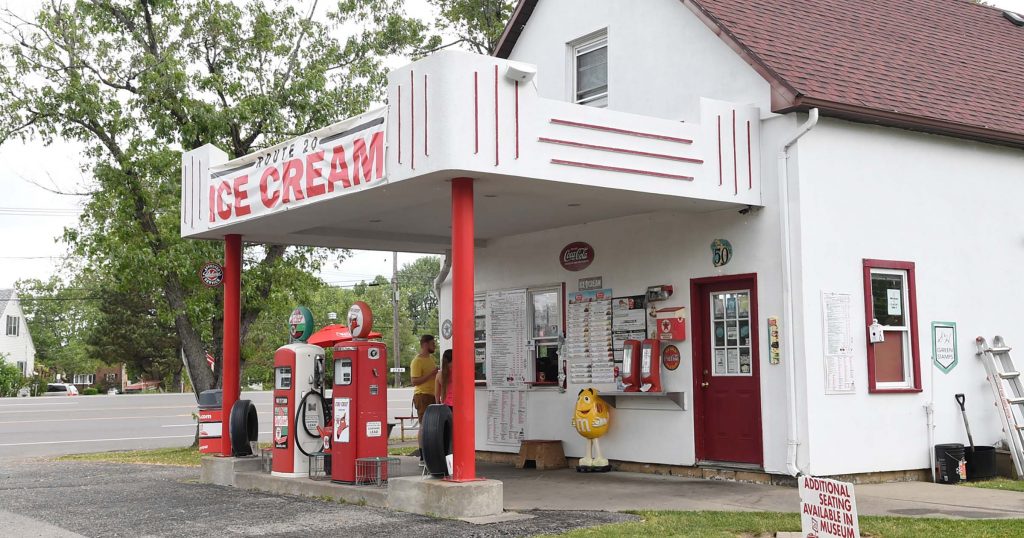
[298, 399]
[631, 366]
[650, 366]
[360, 398]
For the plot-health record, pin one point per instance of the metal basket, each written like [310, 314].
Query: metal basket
[376, 471]
[319, 466]
[266, 459]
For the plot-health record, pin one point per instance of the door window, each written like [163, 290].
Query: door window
[730, 333]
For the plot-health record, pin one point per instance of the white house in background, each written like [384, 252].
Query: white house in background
[16, 345]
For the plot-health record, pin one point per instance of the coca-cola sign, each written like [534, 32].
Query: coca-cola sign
[576, 256]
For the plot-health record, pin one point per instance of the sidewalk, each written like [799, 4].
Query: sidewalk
[566, 489]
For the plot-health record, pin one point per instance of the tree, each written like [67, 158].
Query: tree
[10, 379]
[416, 282]
[139, 81]
[477, 23]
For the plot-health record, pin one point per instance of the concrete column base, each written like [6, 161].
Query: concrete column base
[441, 498]
[221, 471]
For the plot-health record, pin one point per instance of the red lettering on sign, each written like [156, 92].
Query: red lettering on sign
[292, 181]
[339, 169]
[313, 173]
[223, 209]
[361, 157]
[241, 196]
[270, 193]
[213, 190]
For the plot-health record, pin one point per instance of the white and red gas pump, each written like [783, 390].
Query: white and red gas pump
[630, 366]
[360, 398]
[299, 410]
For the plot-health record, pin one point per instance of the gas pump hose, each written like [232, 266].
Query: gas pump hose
[301, 411]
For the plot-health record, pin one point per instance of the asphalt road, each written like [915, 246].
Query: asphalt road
[51, 426]
[68, 499]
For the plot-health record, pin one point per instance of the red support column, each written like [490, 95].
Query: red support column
[232, 313]
[464, 435]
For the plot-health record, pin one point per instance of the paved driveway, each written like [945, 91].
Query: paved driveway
[45, 498]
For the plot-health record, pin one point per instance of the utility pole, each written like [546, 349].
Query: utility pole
[395, 337]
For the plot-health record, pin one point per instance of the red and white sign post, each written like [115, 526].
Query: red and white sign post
[828, 508]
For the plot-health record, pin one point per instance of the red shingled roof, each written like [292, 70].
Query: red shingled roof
[945, 66]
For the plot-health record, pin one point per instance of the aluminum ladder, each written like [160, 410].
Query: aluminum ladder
[1007, 388]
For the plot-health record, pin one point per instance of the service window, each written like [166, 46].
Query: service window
[890, 301]
[546, 328]
[590, 70]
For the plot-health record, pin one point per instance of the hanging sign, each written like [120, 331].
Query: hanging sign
[211, 274]
[334, 161]
[721, 252]
[828, 508]
[576, 256]
[670, 357]
[773, 340]
[944, 352]
[591, 283]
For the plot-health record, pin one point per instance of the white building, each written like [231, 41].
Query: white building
[776, 164]
[15, 343]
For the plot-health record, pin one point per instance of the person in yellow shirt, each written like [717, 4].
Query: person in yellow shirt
[423, 370]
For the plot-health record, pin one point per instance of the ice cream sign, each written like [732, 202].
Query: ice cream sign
[333, 161]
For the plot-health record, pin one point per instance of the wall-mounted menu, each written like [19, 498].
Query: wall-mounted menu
[588, 339]
[629, 319]
[506, 416]
[507, 330]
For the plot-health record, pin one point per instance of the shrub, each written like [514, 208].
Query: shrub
[90, 391]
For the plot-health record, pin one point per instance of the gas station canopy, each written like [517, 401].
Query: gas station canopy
[380, 180]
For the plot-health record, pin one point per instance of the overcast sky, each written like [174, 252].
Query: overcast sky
[29, 246]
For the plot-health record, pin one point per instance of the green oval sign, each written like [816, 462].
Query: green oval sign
[300, 324]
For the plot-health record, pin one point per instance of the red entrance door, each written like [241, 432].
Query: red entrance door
[726, 373]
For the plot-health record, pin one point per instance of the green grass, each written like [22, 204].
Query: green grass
[997, 483]
[732, 524]
[184, 457]
[401, 450]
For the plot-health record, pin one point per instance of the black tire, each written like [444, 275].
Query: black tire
[437, 438]
[244, 427]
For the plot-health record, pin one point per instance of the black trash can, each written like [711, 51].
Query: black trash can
[981, 462]
[949, 463]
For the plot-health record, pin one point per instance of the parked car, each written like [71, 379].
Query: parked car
[61, 389]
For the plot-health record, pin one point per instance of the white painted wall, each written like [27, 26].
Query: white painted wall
[661, 58]
[16, 348]
[633, 253]
[953, 208]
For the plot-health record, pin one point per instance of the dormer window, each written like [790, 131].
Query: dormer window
[590, 70]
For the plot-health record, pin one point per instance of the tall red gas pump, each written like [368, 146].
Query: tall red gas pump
[299, 407]
[360, 397]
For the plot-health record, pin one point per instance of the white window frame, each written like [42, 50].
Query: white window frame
[84, 379]
[582, 46]
[535, 342]
[904, 330]
[750, 327]
[16, 326]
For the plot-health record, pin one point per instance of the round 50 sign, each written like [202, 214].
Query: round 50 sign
[576, 256]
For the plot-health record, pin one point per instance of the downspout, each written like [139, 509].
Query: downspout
[793, 443]
[446, 267]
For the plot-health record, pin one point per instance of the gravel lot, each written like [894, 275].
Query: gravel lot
[39, 497]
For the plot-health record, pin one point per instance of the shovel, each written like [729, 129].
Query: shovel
[960, 400]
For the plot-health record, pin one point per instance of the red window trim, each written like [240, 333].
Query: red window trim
[870, 264]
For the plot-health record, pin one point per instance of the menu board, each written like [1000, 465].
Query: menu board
[507, 331]
[629, 320]
[588, 339]
[506, 416]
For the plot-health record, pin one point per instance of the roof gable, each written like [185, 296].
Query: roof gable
[944, 66]
[5, 297]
